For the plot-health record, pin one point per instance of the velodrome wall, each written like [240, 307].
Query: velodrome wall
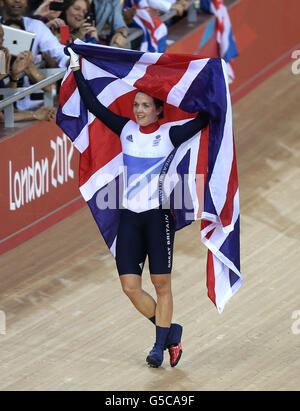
[39, 182]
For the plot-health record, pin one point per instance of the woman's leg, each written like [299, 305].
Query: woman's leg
[163, 317]
[164, 306]
[130, 257]
[160, 239]
[160, 235]
[143, 302]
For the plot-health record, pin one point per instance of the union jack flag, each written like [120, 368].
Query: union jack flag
[155, 31]
[224, 34]
[187, 84]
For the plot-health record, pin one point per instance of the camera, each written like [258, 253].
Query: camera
[89, 18]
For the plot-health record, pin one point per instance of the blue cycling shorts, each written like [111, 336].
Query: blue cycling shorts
[150, 233]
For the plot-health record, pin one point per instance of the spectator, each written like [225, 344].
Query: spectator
[75, 17]
[179, 6]
[33, 5]
[45, 42]
[22, 63]
[6, 56]
[50, 17]
[108, 15]
[128, 14]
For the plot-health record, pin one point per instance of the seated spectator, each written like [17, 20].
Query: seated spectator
[6, 56]
[180, 6]
[50, 17]
[41, 114]
[14, 13]
[23, 63]
[33, 5]
[110, 23]
[45, 41]
[128, 13]
[165, 6]
[157, 6]
[75, 16]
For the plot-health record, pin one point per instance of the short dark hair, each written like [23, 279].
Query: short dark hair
[159, 104]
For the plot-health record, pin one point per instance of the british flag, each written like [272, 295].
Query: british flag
[155, 31]
[206, 163]
[223, 31]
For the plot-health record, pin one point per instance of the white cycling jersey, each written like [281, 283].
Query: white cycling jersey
[144, 155]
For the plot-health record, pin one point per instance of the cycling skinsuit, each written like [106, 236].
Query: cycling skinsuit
[145, 228]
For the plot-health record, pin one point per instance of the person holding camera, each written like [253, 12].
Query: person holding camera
[49, 12]
[44, 42]
[68, 20]
[22, 64]
[77, 15]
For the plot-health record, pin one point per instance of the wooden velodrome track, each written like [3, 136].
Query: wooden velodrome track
[69, 327]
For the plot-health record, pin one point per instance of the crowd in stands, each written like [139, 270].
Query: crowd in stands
[57, 23]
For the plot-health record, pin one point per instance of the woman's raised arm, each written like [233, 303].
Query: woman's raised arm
[113, 121]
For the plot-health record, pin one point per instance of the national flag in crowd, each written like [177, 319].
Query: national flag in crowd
[155, 31]
[187, 84]
[223, 30]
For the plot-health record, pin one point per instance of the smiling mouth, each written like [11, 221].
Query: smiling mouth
[17, 9]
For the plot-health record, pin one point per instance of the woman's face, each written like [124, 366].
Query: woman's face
[75, 14]
[144, 109]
